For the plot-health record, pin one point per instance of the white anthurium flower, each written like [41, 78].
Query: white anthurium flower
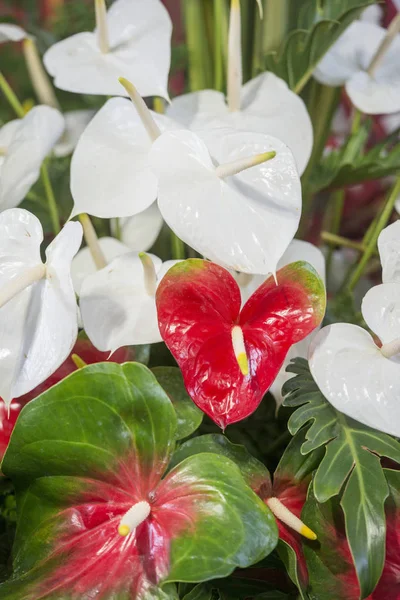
[389, 253]
[358, 377]
[132, 38]
[263, 105]
[372, 14]
[83, 264]
[365, 60]
[141, 231]
[38, 310]
[24, 144]
[110, 171]
[236, 200]
[118, 303]
[11, 33]
[297, 250]
[76, 122]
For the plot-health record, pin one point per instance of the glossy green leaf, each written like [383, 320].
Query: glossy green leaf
[189, 416]
[353, 164]
[351, 466]
[114, 434]
[253, 471]
[319, 26]
[332, 573]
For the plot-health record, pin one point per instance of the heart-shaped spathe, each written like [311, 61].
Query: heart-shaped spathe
[230, 357]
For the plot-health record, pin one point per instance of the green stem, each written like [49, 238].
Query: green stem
[337, 210]
[177, 247]
[220, 43]
[248, 9]
[338, 240]
[11, 97]
[118, 231]
[200, 65]
[355, 126]
[274, 25]
[322, 104]
[380, 224]
[51, 201]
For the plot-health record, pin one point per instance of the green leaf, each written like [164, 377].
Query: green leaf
[253, 471]
[320, 25]
[351, 466]
[352, 164]
[87, 450]
[189, 416]
[332, 573]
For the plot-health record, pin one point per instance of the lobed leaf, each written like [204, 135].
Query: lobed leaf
[350, 467]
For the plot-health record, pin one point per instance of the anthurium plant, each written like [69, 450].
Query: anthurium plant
[200, 300]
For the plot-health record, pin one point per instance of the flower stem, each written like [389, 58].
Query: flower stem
[338, 240]
[220, 41]
[92, 241]
[101, 24]
[235, 74]
[51, 201]
[177, 247]
[380, 224]
[200, 62]
[11, 97]
[393, 30]
[38, 76]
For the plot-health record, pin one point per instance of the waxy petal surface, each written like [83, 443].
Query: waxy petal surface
[76, 122]
[355, 377]
[84, 265]
[141, 231]
[110, 170]
[389, 253]
[267, 106]
[381, 311]
[347, 63]
[259, 207]
[106, 455]
[140, 50]
[198, 305]
[11, 33]
[31, 142]
[39, 325]
[117, 309]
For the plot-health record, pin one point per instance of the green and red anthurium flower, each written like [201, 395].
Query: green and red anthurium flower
[285, 495]
[100, 515]
[84, 350]
[230, 357]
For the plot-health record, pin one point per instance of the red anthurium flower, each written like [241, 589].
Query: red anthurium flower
[332, 572]
[230, 357]
[101, 516]
[86, 351]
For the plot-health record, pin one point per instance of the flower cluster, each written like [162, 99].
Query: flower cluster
[224, 179]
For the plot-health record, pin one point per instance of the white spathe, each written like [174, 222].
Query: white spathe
[84, 265]
[244, 222]
[355, 377]
[267, 106]
[38, 327]
[140, 49]
[116, 307]
[346, 362]
[24, 144]
[76, 122]
[11, 33]
[347, 62]
[298, 250]
[110, 170]
[142, 230]
[389, 253]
